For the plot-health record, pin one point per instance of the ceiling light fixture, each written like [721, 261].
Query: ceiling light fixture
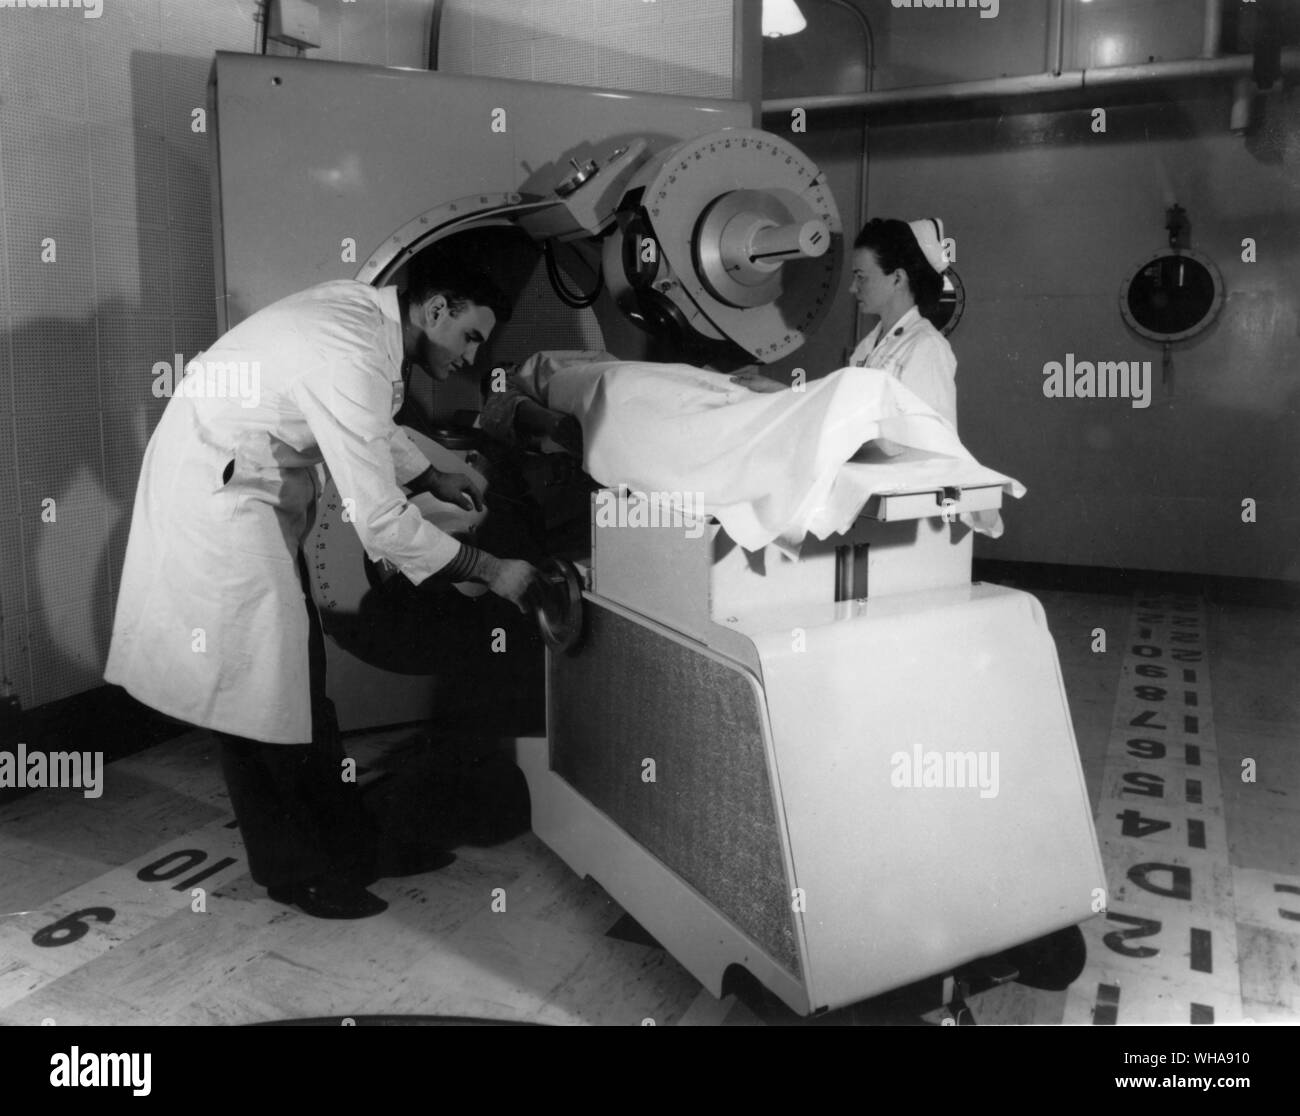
[782, 17]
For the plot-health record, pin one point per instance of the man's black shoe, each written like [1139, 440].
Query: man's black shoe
[330, 899]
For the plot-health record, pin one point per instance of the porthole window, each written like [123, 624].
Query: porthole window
[952, 302]
[1172, 296]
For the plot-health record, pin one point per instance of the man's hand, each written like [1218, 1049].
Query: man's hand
[452, 488]
[512, 580]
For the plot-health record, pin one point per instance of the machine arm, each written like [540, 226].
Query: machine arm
[731, 237]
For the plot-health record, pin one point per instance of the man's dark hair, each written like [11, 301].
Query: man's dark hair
[460, 286]
[894, 245]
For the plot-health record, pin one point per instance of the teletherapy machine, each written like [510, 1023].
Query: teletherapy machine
[784, 730]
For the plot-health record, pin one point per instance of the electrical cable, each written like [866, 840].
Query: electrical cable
[435, 36]
[578, 301]
[869, 38]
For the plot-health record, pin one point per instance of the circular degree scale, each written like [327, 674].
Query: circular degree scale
[697, 195]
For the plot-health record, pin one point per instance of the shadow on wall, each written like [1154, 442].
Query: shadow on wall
[680, 56]
[87, 383]
[76, 486]
[112, 167]
[83, 386]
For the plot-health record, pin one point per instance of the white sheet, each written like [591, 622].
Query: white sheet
[770, 467]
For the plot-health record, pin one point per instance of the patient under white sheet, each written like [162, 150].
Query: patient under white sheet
[770, 467]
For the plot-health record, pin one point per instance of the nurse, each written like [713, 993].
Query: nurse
[214, 625]
[897, 273]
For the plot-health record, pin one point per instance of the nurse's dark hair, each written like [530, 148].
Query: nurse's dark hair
[894, 245]
[460, 286]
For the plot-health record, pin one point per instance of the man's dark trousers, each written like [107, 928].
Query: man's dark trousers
[300, 821]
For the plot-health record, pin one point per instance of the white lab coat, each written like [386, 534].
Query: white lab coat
[210, 625]
[918, 355]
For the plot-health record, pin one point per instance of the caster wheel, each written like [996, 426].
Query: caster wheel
[1053, 962]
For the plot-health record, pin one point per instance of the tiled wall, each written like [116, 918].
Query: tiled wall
[97, 154]
[654, 46]
[1049, 219]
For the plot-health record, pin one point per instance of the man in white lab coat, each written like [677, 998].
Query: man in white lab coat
[211, 624]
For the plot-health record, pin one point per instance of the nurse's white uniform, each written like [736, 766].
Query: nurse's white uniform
[210, 625]
[917, 354]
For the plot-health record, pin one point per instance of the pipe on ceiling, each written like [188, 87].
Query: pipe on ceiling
[1056, 37]
[1213, 36]
[869, 41]
[1105, 77]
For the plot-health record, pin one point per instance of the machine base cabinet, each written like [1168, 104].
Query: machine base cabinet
[682, 920]
[894, 793]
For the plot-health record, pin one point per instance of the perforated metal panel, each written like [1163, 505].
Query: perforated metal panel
[507, 60]
[8, 466]
[193, 287]
[63, 288]
[620, 68]
[184, 81]
[13, 595]
[52, 449]
[189, 185]
[68, 554]
[97, 151]
[126, 433]
[630, 695]
[31, 83]
[6, 366]
[512, 20]
[54, 369]
[541, 322]
[128, 175]
[366, 39]
[700, 60]
[16, 663]
[641, 19]
[46, 160]
[570, 61]
[207, 26]
[455, 38]
[128, 350]
[123, 68]
[192, 336]
[131, 267]
[664, 47]
[67, 645]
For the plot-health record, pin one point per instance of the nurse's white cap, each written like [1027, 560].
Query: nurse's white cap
[929, 235]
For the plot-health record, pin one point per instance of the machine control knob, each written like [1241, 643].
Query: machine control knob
[581, 173]
[786, 242]
[746, 236]
[559, 615]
